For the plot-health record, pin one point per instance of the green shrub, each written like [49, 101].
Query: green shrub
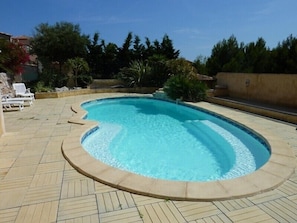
[40, 87]
[187, 88]
[84, 80]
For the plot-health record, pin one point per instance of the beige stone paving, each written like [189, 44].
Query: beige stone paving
[37, 184]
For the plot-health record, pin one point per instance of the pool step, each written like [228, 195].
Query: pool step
[244, 161]
[217, 147]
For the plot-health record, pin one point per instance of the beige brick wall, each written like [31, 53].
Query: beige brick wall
[279, 89]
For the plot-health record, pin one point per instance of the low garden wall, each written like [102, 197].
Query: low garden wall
[98, 86]
[277, 89]
[142, 90]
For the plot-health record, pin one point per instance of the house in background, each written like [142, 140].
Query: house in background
[30, 72]
[5, 36]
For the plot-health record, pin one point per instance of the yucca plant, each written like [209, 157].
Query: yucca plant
[77, 65]
[135, 73]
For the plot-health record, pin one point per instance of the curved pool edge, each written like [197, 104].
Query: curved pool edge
[276, 171]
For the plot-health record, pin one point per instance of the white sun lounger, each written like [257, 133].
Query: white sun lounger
[29, 100]
[13, 99]
[8, 104]
[22, 91]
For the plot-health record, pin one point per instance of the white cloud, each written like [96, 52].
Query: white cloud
[188, 31]
[264, 12]
[109, 20]
[192, 33]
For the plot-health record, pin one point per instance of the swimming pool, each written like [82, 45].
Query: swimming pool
[170, 141]
[280, 166]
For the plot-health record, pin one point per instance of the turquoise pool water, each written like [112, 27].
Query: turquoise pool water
[165, 140]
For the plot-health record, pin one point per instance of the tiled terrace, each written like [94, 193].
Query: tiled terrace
[37, 184]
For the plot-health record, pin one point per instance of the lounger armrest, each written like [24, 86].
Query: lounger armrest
[5, 97]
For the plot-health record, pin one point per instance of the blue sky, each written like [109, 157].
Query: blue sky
[194, 26]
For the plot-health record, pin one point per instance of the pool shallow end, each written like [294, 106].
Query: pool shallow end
[277, 170]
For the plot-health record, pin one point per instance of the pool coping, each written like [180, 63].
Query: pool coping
[277, 170]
